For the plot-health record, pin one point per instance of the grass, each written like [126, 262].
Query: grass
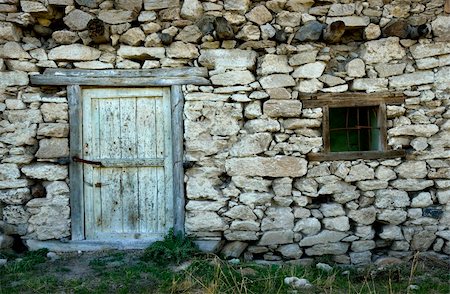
[132, 272]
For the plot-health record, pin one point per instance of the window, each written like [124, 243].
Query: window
[354, 125]
[354, 129]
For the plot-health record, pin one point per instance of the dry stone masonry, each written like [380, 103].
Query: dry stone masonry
[251, 191]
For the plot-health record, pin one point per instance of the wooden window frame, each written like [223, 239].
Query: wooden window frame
[345, 100]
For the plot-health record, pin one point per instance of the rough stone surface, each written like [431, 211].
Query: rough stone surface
[382, 50]
[280, 166]
[45, 171]
[74, 52]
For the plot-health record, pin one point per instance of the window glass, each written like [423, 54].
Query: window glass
[354, 129]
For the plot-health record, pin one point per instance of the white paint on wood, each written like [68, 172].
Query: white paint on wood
[131, 195]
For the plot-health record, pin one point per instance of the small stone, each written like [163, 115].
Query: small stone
[297, 283]
[309, 71]
[259, 15]
[117, 16]
[372, 32]
[77, 20]
[191, 9]
[133, 37]
[356, 68]
[310, 31]
[324, 267]
[277, 81]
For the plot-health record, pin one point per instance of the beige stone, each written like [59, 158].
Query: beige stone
[277, 81]
[282, 108]
[259, 15]
[231, 78]
[45, 171]
[191, 9]
[74, 52]
[139, 53]
[53, 148]
[182, 50]
[228, 59]
[117, 16]
[13, 50]
[382, 50]
[279, 166]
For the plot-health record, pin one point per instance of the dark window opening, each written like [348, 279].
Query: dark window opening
[354, 129]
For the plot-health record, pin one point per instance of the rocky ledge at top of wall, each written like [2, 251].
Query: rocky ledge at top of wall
[247, 133]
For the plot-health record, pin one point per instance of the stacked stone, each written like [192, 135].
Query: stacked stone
[251, 188]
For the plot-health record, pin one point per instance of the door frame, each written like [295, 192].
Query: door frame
[74, 79]
[75, 100]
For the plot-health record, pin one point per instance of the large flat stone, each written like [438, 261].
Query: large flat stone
[231, 78]
[46, 171]
[412, 79]
[323, 237]
[141, 52]
[279, 166]
[382, 51]
[419, 51]
[74, 52]
[228, 59]
[13, 78]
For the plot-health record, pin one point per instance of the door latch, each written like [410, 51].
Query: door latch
[82, 160]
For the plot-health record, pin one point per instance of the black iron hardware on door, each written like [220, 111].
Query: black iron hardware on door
[82, 160]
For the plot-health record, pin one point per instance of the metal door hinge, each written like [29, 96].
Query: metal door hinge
[82, 160]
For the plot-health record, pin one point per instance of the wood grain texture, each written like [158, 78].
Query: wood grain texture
[126, 73]
[76, 169]
[129, 131]
[177, 104]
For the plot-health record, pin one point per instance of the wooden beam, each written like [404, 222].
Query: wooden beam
[56, 80]
[130, 73]
[75, 168]
[331, 156]
[447, 6]
[177, 104]
[352, 100]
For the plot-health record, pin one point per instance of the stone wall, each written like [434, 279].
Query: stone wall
[247, 136]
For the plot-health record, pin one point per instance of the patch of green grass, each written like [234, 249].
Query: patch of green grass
[27, 263]
[174, 249]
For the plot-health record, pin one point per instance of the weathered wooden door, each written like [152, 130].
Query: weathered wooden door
[128, 132]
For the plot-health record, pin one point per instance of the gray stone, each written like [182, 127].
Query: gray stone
[412, 170]
[382, 51]
[393, 217]
[189, 34]
[15, 196]
[323, 237]
[54, 112]
[231, 78]
[74, 52]
[234, 249]
[277, 81]
[427, 130]
[228, 59]
[204, 221]
[340, 223]
[251, 144]
[364, 245]
[242, 212]
[282, 187]
[65, 37]
[441, 27]
[133, 37]
[278, 218]
[13, 50]
[332, 209]
[32, 6]
[412, 184]
[13, 78]
[282, 108]
[308, 56]
[191, 9]
[341, 9]
[53, 148]
[140, 53]
[288, 19]
[390, 198]
[77, 20]
[117, 16]
[240, 6]
[291, 251]
[276, 238]
[205, 205]
[356, 68]
[310, 70]
[387, 70]
[210, 246]
[364, 216]
[336, 188]
[15, 215]
[309, 86]
[10, 32]
[370, 85]
[245, 225]
[419, 51]
[412, 79]
[13, 184]
[310, 31]
[45, 171]
[351, 21]
[330, 248]
[9, 171]
[391, 232]
[422, 240]
[272, 63]
[253, 199]
[361, 257]
[360, 172]
[259, 15]
[308, 226]
[278, 166]
[370, 185]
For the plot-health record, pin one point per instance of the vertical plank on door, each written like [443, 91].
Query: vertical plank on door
[146, 149]
[168, 163]
[111, 191]
[130, 185]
